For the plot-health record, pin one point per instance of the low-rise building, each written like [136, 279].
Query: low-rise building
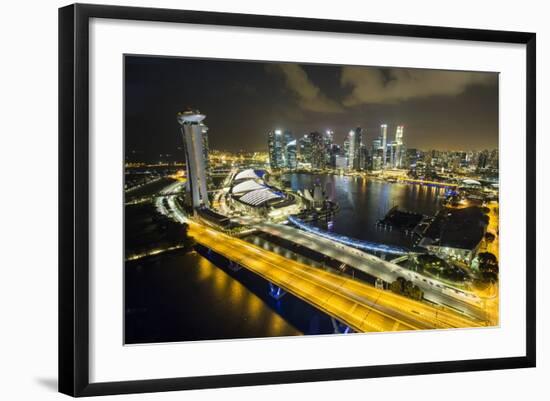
[456, 233]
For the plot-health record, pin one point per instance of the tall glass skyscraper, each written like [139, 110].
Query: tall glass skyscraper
[399, 147]
[304, 149]
[282, 149]
[318, 152]
[329, 139]
[290, 155]
[354, 149]
[384, 135]
[275, 143]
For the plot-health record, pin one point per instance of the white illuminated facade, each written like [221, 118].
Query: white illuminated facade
[246, 186]
[259, 196]
[248, 174]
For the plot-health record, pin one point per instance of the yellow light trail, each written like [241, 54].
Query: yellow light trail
[360, 306]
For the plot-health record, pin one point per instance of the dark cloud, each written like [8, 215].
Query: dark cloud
[308, 95]
[375, 85]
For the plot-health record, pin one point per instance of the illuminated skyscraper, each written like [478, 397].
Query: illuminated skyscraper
[493, 159]
[334, 152]
[282, 149]
[376, 154]
[289, 152]
[384, 134]
[354, 149]
[318, 150]
[376, 144]
[392, 146]
[399, 147]
[364, 157]
[275, 143]
[347, 148]
[412, 156]
[290, 155]
[193, 131]
[304, 149]
[329, 139]
[287, 136]
[483, 159]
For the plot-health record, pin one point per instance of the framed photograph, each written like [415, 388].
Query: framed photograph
[249, 199]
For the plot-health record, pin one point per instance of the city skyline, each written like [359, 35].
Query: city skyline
[364, 231]
[440, 110]
[318, 151]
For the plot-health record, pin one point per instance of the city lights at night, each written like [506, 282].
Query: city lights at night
[279, 199]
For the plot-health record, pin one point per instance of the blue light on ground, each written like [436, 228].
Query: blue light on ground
[360, 244]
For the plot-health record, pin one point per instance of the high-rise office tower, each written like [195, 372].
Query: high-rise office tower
[483, 159]
[411, 157]
[376, 144]
[493, 159]
[334, 152]
[354, 149]
[289, 152]
[392, 151]
[193, 131]
[304, 149]
[384, 135]
[287, 137]
[377, 160]
[329, 139]
[376, 154]
[290, 155]
[275, 143]
[364, 157]
[399, 147]
[318, 152]
[347, 147]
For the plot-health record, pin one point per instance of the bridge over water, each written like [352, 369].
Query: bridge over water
[388, 271]
[357, 305]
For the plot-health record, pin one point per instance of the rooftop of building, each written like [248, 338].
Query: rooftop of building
[249, 188]
[247, 175]
[216, 218]
[457, 228]
[246, 186]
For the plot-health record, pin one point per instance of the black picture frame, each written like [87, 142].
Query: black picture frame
[74, 200]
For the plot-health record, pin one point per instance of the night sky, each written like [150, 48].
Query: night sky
[243, 100]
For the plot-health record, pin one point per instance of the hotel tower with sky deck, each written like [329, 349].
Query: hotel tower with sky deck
[192, 130]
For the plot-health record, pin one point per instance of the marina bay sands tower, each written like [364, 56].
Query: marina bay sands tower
[192, 130]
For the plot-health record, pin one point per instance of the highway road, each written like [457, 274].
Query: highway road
[358, 305]
[379, 268]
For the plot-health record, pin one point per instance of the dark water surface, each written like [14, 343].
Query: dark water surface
[365, 201]
[184, 297]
